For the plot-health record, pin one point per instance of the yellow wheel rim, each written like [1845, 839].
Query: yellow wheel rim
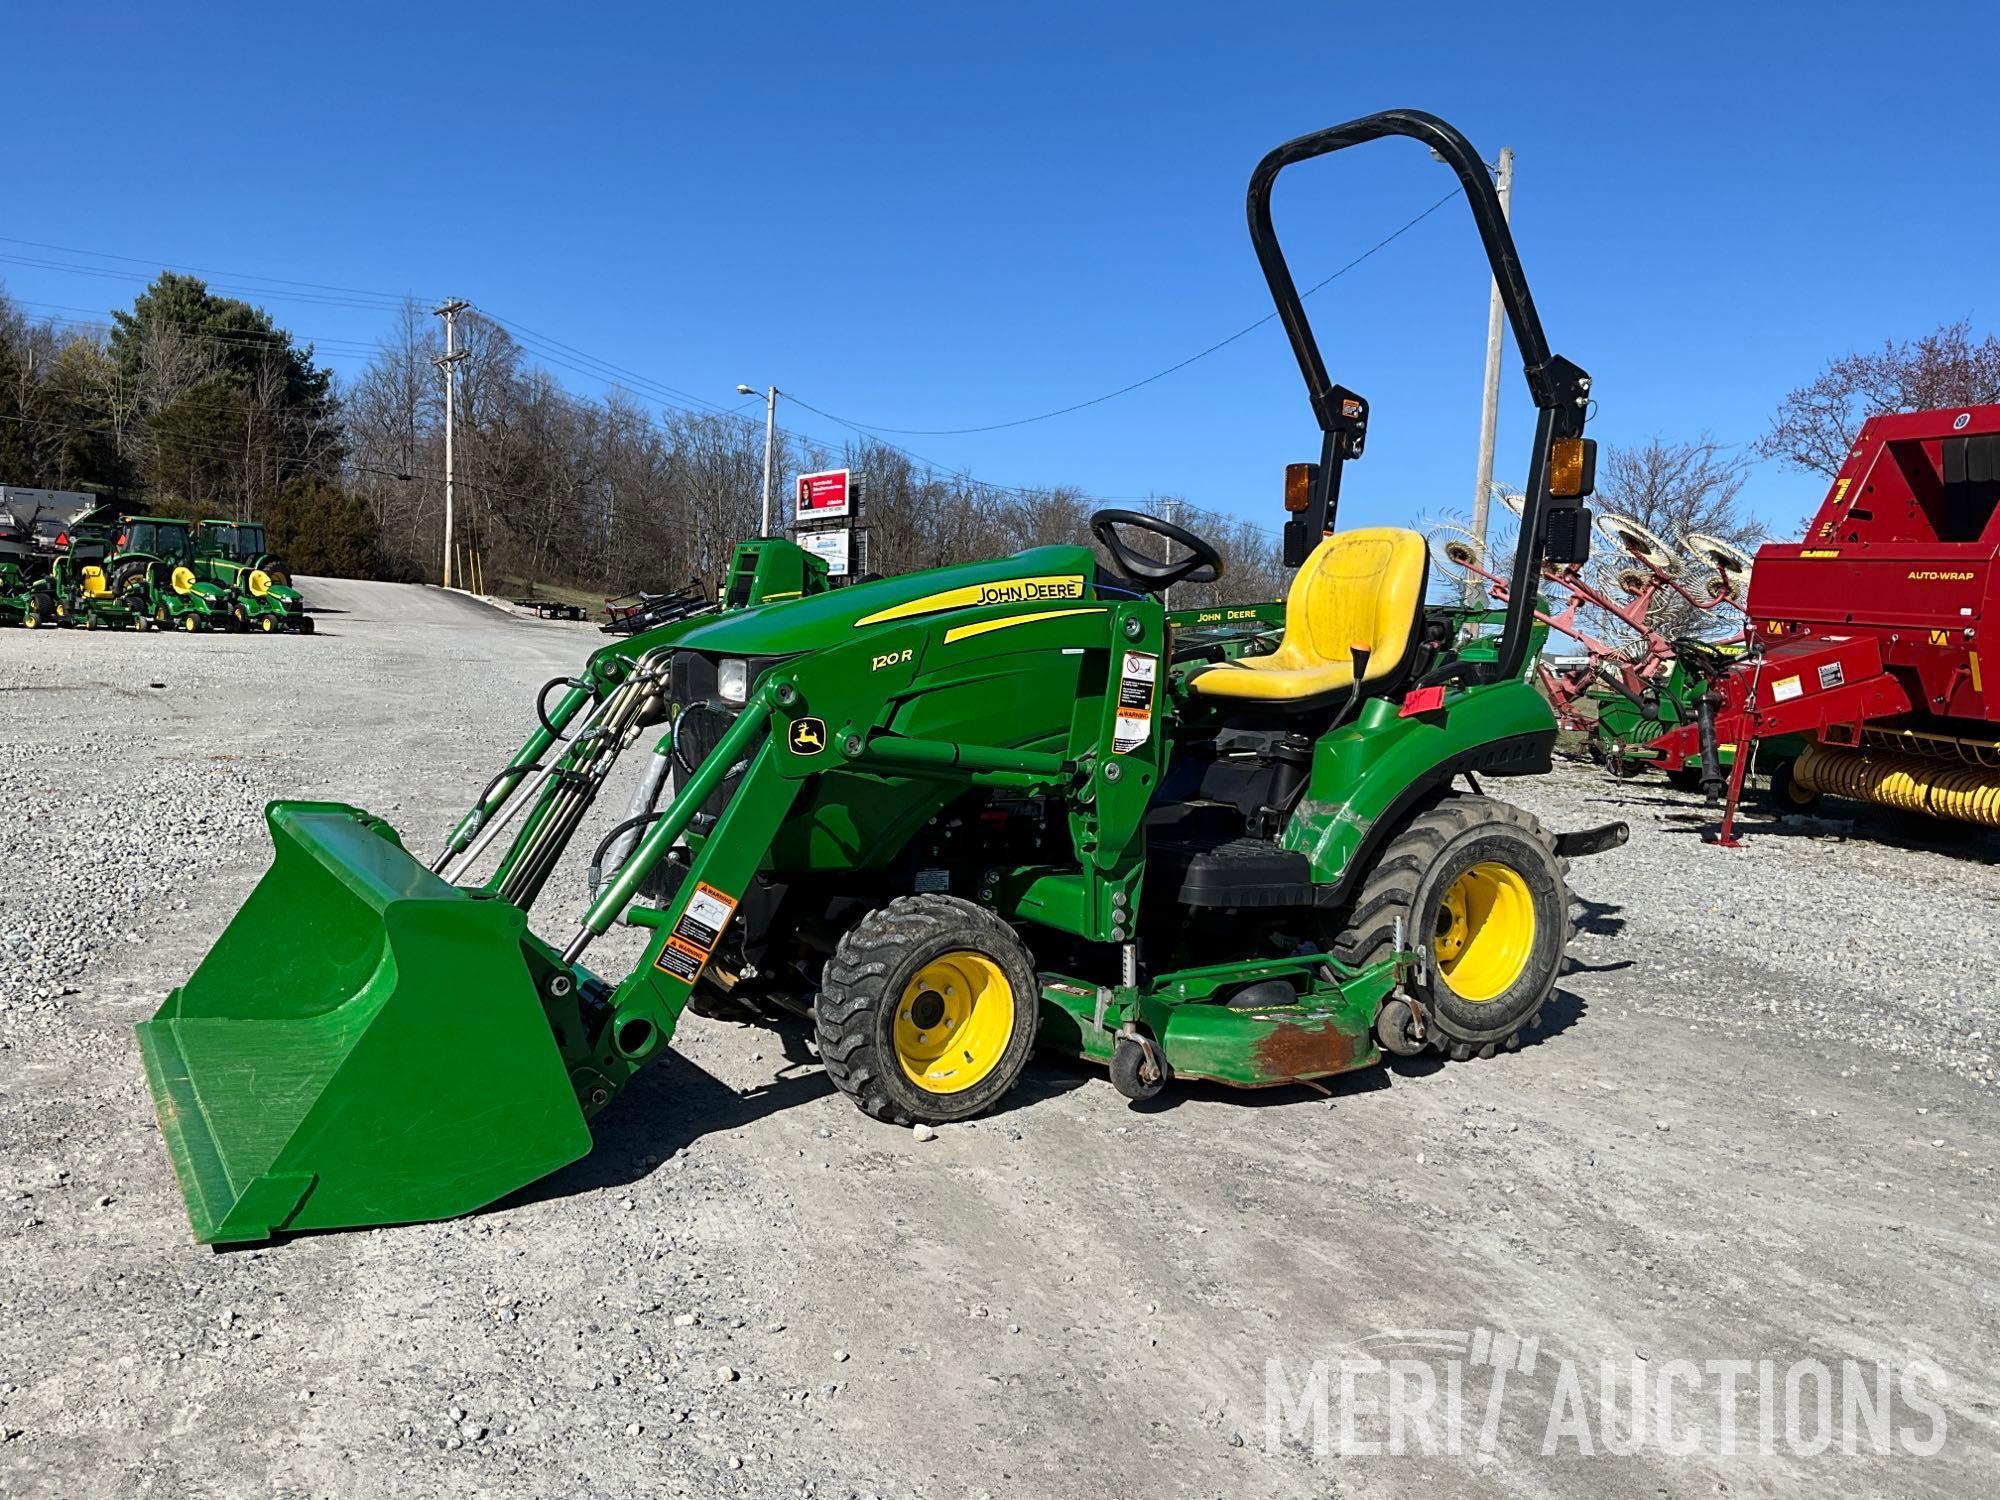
[953, 1022]
[1485, 932]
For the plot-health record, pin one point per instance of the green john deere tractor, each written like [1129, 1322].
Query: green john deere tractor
[80, 585]
[947, 817]
[258, 585]
[155, 574]
[26, 597]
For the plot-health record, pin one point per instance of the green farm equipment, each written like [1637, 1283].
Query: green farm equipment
[258, 585]
[946, 817]
[1625, 722]
[771, 570]
[25, 597]
[80, 583]
[154, 572]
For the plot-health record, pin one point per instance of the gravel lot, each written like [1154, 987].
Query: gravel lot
[1758, 1123]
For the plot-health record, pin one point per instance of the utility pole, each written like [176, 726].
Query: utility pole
[770, 433]
[448, 363]
[1489, 415]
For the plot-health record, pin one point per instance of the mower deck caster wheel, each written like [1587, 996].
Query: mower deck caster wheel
[1397, 1030]
[1137, 1069]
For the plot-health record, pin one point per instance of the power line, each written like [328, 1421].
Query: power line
[232, 338]
[145, 260]
[1124, 390]
[230, 287]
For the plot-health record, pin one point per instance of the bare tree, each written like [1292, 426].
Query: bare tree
[1815, 425]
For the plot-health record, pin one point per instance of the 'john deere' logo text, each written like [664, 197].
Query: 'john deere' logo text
[807, 736]
[1030, 589]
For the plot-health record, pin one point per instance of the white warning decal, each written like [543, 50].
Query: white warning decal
[1785, 689]
[1135, 702]
[695, 935]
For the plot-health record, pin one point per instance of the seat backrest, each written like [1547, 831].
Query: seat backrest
[1360, 588]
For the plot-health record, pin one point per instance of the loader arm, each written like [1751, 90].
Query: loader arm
[846, 711]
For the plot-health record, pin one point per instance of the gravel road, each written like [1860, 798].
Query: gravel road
[1757, 1124]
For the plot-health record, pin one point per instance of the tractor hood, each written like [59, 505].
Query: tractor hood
[793, 625]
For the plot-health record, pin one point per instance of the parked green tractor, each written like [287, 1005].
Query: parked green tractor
[24, 594]
[945, 817]
[80, 583]
[233, 555]
[154, 573]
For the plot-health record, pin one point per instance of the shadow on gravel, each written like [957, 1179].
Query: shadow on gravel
[661, 1111]
[1911, 831]
[1598, 918]
[676, 1101]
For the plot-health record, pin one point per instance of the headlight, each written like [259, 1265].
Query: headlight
[732, 680]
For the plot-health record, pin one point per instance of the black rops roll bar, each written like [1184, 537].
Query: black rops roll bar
[1560, 391]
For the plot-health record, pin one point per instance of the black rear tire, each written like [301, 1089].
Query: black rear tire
[1480, 890]
[880, 977]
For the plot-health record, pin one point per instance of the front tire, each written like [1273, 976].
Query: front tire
[1480, 890]
[928, 1010]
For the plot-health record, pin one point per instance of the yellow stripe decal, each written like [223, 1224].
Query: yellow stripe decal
[1001, 591]
[965, 632]
[1972, 660]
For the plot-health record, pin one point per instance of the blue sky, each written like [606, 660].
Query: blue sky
[943, 216]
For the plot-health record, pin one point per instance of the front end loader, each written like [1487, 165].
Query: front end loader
[944, 818]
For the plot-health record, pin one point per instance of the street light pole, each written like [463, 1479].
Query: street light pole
[770, 433]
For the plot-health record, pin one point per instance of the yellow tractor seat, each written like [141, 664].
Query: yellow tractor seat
[1358, 588]
[93, 582]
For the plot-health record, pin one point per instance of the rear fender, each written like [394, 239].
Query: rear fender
[1368, 777]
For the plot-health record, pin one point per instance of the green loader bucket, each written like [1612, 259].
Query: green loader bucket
[363, 1045]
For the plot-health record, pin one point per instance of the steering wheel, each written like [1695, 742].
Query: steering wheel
[1203, 564]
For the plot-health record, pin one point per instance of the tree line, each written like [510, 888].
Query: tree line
[193, 403]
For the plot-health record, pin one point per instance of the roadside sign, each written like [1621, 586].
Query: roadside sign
[825, 497]
[831, 547]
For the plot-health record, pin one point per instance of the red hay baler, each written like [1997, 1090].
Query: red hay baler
[1866, 637]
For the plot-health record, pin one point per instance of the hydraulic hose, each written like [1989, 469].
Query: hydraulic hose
[542, 701]
[625, 834]
[750, 725]
[621, 841]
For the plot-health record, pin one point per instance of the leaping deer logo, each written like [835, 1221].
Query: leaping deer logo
[808, 735]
